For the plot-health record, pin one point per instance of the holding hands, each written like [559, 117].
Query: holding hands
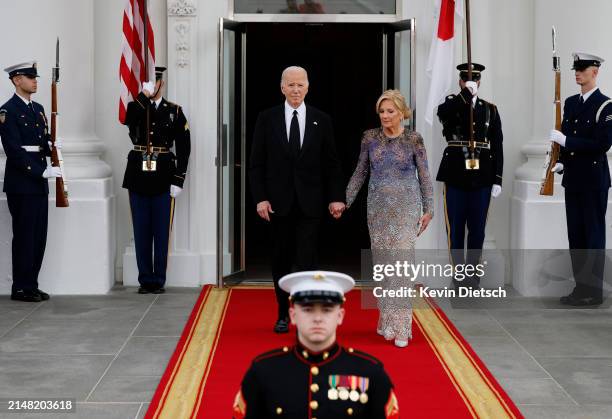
[336, 209]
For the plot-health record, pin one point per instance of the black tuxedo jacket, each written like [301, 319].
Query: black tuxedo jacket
[314, 179]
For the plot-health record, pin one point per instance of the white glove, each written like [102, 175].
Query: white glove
[557, 137]
[51, 171]
[472, 87]
[557, 168]
[175, 191]
[58, 143]
[496, 191]
[148, 87]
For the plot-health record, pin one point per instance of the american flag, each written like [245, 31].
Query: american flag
[132, 67]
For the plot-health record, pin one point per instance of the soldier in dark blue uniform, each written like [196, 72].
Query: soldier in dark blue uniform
[316, 377]
[468, 191]
[155, 179]
[25, 137]
[585, 137]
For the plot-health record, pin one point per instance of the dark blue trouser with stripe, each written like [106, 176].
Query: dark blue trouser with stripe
[466, 208]
[152, 221]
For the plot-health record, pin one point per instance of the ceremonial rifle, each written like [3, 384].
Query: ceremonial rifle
[552, 156]
[61, 189]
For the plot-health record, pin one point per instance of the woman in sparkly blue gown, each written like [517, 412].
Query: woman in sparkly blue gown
[400, 203]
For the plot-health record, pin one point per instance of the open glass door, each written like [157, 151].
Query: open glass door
[230, 159]
[399, 52]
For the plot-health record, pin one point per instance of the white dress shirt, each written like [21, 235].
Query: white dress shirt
[586, 95]
[27, 102]
[301, 116]
[157, 102]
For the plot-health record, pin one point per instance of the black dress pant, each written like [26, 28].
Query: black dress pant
[586, 229]
[30, 215]
[294, 242]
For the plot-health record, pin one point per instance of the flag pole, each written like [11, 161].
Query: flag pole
[146, 63]
[472, 163]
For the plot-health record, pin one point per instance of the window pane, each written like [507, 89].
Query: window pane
[315, 6]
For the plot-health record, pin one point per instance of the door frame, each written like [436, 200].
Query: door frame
[236, 20]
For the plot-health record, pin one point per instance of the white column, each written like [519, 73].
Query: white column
[80, 246]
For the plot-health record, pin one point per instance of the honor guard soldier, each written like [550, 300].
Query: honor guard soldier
[585, 137]
[154, 177]
[26, 141]
[471, 176]
[316, 377]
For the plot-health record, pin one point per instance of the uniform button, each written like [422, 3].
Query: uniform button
[572, 153]
[314, 387]
[314, 405]
[285, 349]
[576, 121]
[574, 131]
[279, 410]
[351, 350]
[29, 168]
[305, 354]
[153, 123]
[594, 162]
[314, 371]
[325, 355]
[36, 124]
[40, 136]
[349, 411]
[26, 124]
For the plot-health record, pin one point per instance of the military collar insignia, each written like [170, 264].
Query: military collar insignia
[2, 116]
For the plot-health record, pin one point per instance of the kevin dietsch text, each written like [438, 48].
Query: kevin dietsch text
[409, 292]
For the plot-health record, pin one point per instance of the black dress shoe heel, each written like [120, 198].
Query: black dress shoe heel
[26, 296]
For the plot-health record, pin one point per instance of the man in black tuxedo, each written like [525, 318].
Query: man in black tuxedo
[294, 171]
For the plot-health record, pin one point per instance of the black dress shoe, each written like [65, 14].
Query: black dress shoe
[281, 326]
[158, 290]
[143, 290]
[43, 295]
[26, 295]
[572, 300]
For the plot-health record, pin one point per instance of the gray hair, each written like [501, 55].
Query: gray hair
[293, 68]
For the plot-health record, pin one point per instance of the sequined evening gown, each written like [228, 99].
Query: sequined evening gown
[399, 192]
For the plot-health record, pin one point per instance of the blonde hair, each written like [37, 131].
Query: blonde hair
[398, 100]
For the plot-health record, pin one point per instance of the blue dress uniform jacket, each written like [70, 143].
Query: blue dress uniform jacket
[584, 155]
[294, 383]
[26, 189]
[20, 127]
[454, 116]
[168, 126]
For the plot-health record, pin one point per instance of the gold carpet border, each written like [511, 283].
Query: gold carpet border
[445, 367]
[482, 396]
[192, 369]
[178, 362]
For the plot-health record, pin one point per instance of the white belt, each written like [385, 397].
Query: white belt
[31, 148]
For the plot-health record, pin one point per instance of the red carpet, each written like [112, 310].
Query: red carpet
[436, 376]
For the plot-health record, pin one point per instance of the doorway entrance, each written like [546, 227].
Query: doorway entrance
[349, 65]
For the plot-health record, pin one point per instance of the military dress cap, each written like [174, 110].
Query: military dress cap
[159, 72]
[28, 69]
[316, 286]
[476, 69]
[583, 60]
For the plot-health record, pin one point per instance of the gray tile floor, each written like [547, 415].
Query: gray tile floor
[109, 352]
